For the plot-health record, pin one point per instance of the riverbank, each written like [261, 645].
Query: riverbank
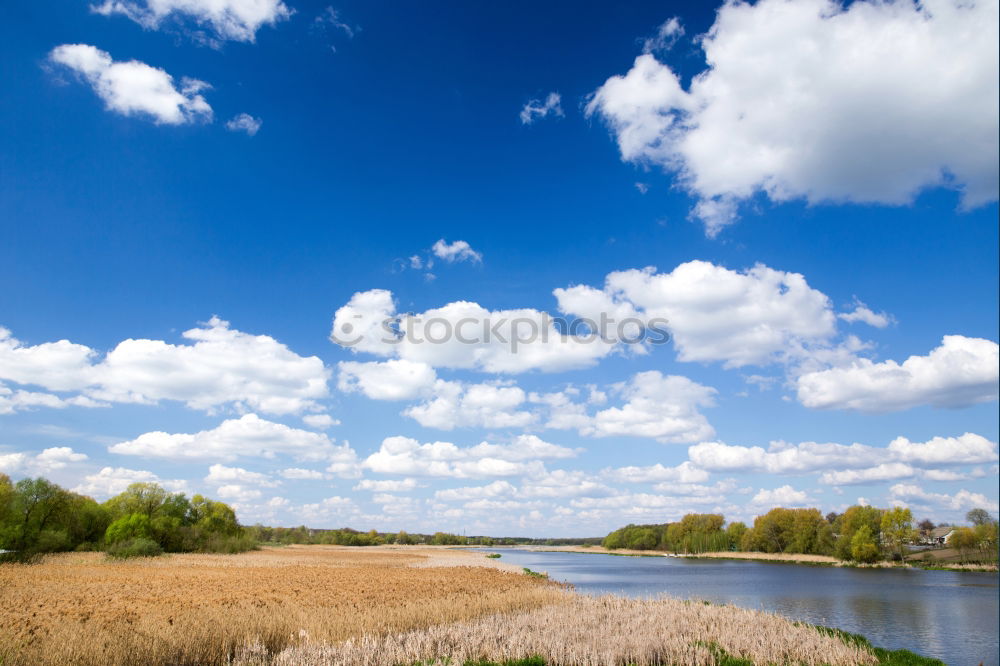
[787, 558]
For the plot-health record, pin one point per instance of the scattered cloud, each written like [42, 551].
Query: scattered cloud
[387, 486]
[960, 372]
[234, 20]
[462, 335]
[537, 109]
[110, 481]
[455, 252]
[408, 457]
[244, 122]
[320, 421]
[135, 88]
[246, 437]
[330, 19]
[221, 475]
[396, 379]
[487, 405]
[41, 463]
[222, 367]
[819, 101]
[686, 472]
[654, 405]
[751, 317]
[864, 314]
[300, 474]
[909, 493]
[785, 496]
[882, 472]
[666, 36]
[849, 464]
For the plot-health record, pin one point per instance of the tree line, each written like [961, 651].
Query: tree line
[38, 517]
[346, 536]
[860, 534]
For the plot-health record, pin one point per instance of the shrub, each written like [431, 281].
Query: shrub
[140, 547]
[52, 541]
[229, 544]
[127, 528]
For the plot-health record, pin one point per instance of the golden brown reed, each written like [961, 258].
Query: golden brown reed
[186, 609]
[588, 631]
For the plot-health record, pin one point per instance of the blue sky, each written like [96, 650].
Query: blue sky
[818, 224]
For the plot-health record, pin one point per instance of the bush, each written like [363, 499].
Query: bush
[140, 547]
[229, 544]
[52, 541]
[129, 528]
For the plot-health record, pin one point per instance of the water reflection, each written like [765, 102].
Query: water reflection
[949, 615]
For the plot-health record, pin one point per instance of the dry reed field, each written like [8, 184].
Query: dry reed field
[80, 608]
[589, 631]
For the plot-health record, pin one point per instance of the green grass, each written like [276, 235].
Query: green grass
[494, 556]
[527, 661]
[723, 658]
[536, 574]
[885, 657]
[139, 547]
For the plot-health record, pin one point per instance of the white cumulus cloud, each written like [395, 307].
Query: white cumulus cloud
[220, 367]
[134, 87]
[246, 437]
[755, 316]
[463, 335]
[114, 480]
[408, 457]
[460, 250]
[960, 372]
[235, 20]
[820, 101]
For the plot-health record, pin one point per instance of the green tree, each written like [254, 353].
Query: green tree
[986, 536]
[965, 541]
[404, 538]
[734, 534]
[213, 517]
[789, 531]
[145, 498]
[641, 539]
[897, 529]
[614, 540]
[979, 517]
[36, 506]
[853, 519]
[863, 546]
[132, 526]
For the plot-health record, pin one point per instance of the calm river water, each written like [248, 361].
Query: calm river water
[950, 616]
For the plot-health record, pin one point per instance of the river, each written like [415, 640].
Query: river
[948, 615]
